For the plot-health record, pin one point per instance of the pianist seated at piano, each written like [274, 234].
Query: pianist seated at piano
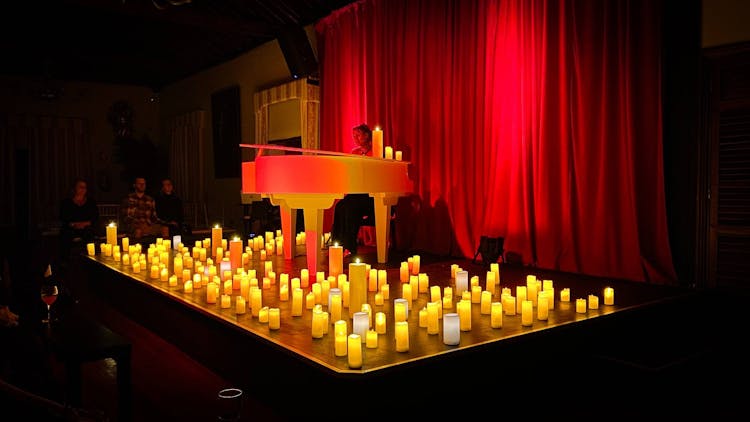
[350, 210]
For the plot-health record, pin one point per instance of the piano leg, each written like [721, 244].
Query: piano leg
[313, 232]
[288, 226]
[383, 203]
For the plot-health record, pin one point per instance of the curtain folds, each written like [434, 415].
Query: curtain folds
[535, 120]
[186, 165]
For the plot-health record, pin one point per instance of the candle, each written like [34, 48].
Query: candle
[432, 317]
[91, 249]
[404, 272]
[581, 306]
[372, 339]
[263, 315]
[402, 336]
[164, 274]
[256, 300]
[235, 253]
[112, 234]
[415, 264]
[380, 323]
[377, 142]
[340, 338]
[463, 308]
[490, 283]
[386, 291]
[389, 153]
[317, 323]
[336, 260]
[226, 301]
[400, 310]
[357, 286]
[354, 351]
[240, 305]
[274, 318]
[126, 244]
[297, 302]
[485, 303]
[542, 307]
[212, 290]
[335, 304]
[361, 324]
[188, 286]
[496, 315]
[527, 313]
[304, 277]
[399, 155]
[565, 295]
[451, 329]
[521, 292]
[462, 281]
[593, 302]
[609, 296]
[216, 236]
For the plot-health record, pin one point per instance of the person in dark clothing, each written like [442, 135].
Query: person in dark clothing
[348, 212]
[169, 208]
[79, 216]
[24, 361]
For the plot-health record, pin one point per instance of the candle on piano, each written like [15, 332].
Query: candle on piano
[399, 156]
[377, 142]
[389, 153]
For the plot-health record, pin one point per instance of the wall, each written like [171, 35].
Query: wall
[725, 22]
[258, 69]
[90, 101]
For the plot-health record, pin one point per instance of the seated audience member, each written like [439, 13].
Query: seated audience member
[23, 358]
[78, 217]
[169, 208]
[139, 213]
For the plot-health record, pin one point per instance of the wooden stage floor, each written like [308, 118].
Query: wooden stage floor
[580, 362]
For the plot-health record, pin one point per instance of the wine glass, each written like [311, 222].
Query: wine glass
[49, 296]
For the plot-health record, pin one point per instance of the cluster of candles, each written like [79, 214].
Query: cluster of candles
[223, 267]
[377, 147]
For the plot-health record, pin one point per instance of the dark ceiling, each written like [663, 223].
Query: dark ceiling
[143, 42]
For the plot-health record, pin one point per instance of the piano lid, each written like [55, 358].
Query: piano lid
[339, 173]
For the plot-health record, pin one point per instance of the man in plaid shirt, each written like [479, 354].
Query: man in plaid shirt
[139, 213]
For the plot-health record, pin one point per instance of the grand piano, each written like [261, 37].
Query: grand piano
[314, 180]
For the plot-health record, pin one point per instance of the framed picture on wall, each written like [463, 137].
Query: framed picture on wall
[225, 121]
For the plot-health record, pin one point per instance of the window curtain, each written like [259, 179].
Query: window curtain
[535, 120]
[186, 155]
[59, 150]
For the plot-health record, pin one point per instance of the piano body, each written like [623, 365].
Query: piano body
[312, 182]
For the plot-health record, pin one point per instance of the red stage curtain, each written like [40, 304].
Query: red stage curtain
[535, 120]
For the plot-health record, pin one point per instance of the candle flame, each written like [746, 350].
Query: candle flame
[357, 261]
[111, 224]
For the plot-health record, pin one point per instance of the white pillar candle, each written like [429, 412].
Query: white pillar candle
[340, 344]
[188, 286]
[263, 315]
[389, 153]
[399, 155]
[386, 291]
[382, 279]
[226, 301]
[462, 282]
[402, 336]
[377, 142]
[609, 296]
[476, 294]
[304, 278]
[360, 324]
[404, 272]
[490, 283]
[435, 294]
[317, 323]
[451, 329]
[378, 299]
[354, 351]
[216, 235]
[372, 280]
[297, 302]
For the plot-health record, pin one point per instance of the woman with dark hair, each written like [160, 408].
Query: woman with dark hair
[348, 213]
[78, 217]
